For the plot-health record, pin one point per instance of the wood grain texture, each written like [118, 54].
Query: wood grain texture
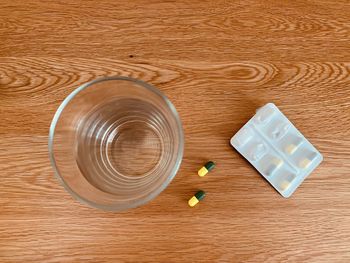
[217, 61]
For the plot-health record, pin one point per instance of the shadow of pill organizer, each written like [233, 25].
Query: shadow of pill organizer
[271, 143]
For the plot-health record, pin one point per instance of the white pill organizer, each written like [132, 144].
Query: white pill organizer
[271, 143]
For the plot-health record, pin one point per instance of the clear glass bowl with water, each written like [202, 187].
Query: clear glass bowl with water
[116, 143]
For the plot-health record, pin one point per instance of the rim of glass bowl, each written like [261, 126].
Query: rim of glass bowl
[140, 202]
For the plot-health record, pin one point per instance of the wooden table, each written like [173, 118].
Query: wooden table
[217, 61]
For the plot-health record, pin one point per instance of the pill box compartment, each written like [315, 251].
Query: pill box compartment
[264, 115]
[290, 144]
[242, 137]
[305, 158]
[285, 181]
[250, 144]
[278, 172]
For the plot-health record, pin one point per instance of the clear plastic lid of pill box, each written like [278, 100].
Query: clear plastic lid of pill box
[281, 154]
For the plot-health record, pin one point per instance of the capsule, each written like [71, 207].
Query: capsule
[206, 168]
[196, 198]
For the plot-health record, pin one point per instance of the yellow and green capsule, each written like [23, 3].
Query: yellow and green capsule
[196, 198]
[206, 168]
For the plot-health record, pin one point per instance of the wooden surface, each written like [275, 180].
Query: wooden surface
[217, 61]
